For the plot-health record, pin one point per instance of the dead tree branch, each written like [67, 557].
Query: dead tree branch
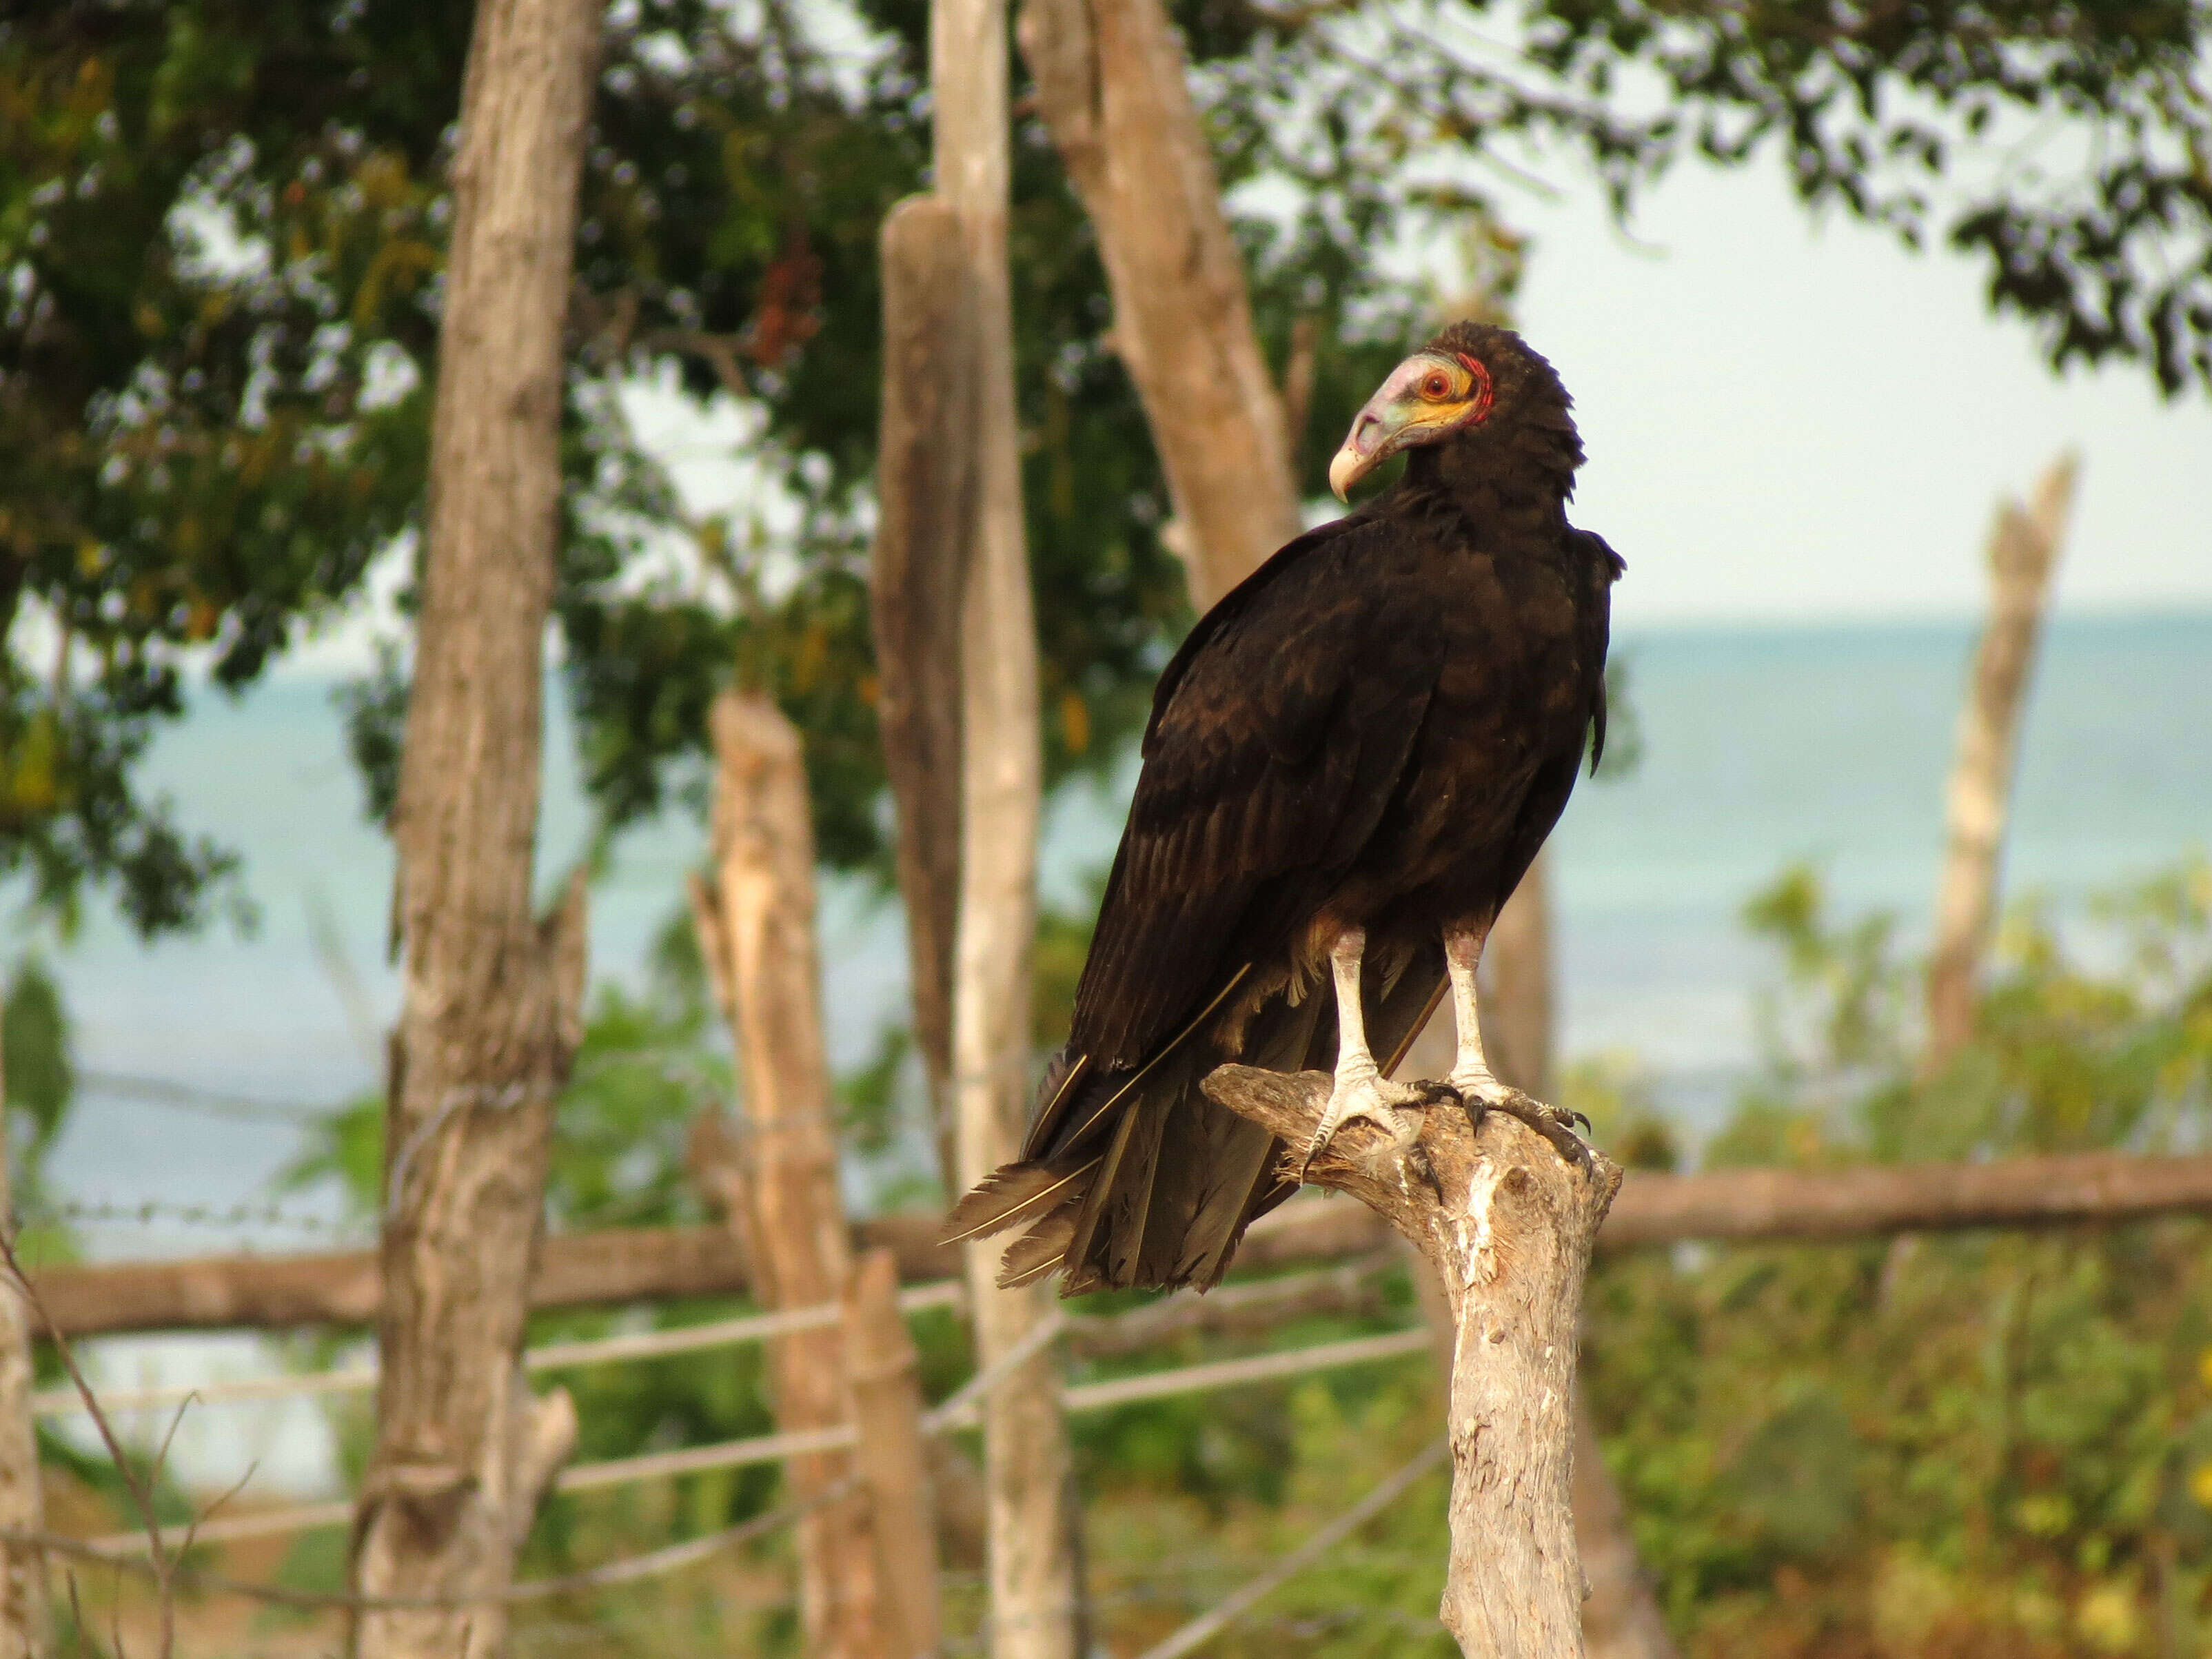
[1032, 1587]
[924, 488]
[1509, 1226]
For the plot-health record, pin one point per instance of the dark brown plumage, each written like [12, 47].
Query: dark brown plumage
[1378, 729]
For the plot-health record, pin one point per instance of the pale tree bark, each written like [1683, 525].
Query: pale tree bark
[1112, 87]
[926, 505]
[1025, 1443]
[778, 1179]
[1507, 1225]
[1620, 1618]
[489, 1017]
[23, 1627]
[2023, 551]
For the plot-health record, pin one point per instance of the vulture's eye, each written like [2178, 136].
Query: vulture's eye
[1436, 384]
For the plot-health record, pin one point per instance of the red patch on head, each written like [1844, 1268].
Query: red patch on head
[1482, 394]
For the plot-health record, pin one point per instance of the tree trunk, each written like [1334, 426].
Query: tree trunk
[1508, 1225]
[23, 1627]
[1025, 1443]
[491, 1015]
[1111, 86]
[2023, 551]
[926, 506]
[778, 1179]
[1621, 1619]
[882, 1371]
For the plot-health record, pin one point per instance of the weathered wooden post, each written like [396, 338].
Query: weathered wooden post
[892, 1457]
[756, 923]
[2023, 551]
[489, 1017]
[1508, 1224]
[1110, 86]
[924, 506]
[1025, 1443]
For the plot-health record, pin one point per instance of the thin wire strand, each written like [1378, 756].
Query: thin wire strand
[627, 1571]
[1233, 1607]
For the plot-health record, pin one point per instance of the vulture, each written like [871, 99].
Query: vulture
[1348, 766]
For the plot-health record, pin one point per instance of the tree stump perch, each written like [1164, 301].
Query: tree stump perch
[1508, 1224]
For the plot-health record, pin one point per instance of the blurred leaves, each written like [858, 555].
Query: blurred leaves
[1971, 1444]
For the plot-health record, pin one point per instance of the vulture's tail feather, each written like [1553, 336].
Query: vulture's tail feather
[1013, 1192]
[1137, 1178]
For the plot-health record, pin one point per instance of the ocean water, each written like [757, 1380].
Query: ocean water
[1760, 746]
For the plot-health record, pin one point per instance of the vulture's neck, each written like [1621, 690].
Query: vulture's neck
[1520, 478]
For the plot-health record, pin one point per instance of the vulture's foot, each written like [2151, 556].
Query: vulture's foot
[1484, 1093]
[1375, 1100]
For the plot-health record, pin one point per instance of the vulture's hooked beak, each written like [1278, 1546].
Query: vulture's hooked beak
[1356, 460]
[1380, 430]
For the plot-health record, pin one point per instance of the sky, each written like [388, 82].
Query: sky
[1794, 420]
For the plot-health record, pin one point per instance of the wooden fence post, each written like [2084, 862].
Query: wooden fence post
[1508, 1225]
[24, 1628]
[2023, 551]
[1111, 86]
[1025, 1442]
[926, 505]
[756, 921]
[491, 1008]
[893, 1458]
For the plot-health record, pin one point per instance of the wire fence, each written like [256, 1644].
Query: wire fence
[141, 1553]
[959, 1411]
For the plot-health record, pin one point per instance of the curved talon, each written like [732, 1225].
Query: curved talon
[1545, 1121]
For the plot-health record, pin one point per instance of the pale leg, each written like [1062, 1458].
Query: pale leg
[1478, 1087]
[1471, 1074]
[1360, 1090]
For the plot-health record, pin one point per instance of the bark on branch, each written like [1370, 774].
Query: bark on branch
[1509, 1226]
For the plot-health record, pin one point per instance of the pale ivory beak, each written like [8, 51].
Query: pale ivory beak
[1343, 472]
[1362, 453]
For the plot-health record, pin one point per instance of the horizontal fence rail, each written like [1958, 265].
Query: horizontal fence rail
[644, 1264]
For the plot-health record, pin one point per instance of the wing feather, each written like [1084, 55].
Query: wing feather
[1278, 738]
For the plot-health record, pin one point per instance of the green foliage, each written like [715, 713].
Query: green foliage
[199, 444]
[1913, 119]
[1978, 1443]
[222, 228]
[34, 1049]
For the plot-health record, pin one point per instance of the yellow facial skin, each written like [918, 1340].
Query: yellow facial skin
[1430, 394]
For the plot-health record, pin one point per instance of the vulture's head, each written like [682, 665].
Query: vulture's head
[1471, 385]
